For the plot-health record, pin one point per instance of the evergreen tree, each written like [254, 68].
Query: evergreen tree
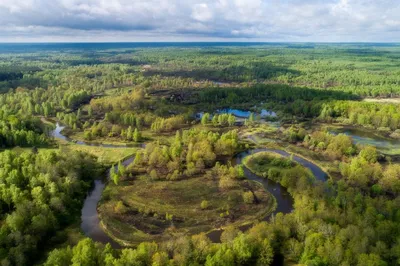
[251, 118]
[129, 133]
[121, 169]
[136, 135]
[205, 118]
[215, 120]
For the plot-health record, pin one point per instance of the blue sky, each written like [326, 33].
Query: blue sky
[206, 20]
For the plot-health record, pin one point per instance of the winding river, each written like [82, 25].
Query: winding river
[90, 219]
[90, 224]
[283, 199]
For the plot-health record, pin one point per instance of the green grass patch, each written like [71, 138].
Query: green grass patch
[279, 169]
[104, 154]
[261, 163]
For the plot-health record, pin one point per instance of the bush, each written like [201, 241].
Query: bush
[248, 197]
[204, 204]
[153, 174]
[227, 183]
[273, 173]
[174, 176]
[119, 207]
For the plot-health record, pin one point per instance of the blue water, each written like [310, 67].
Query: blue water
[246, 114]
[241, 113]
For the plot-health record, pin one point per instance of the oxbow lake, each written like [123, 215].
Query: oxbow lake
[364, 137]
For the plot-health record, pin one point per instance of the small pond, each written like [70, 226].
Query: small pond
[246, 114]
[364, 137]
[243, 113]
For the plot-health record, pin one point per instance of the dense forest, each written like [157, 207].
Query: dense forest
[267, 154]
[40, 194]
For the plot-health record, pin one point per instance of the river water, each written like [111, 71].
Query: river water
[57, 133]
[283, 199]
[90, 224]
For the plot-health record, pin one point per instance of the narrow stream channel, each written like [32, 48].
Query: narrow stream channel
[283, 199]
[90, 224]
[57, 133]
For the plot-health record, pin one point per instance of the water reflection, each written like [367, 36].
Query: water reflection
[242, 114]
[246, 114]
[364, 137]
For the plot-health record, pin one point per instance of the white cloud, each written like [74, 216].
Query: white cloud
[268, 20]
[202, 12]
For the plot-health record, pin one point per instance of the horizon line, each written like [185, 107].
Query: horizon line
[259, 42]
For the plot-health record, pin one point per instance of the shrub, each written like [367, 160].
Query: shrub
[119, 207]
[153, 174]
[204, 204]
[248, 197]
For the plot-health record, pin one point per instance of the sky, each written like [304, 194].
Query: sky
[204, 20]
